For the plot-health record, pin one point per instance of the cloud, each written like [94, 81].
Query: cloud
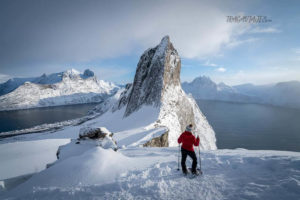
[297, 51]
[59, 32]
[209, 64]
[264, 30]
[266, 76]
[237, 42]
[4, 78]
[218, 68]
[296, 54]
[221, 69]
[114, 73]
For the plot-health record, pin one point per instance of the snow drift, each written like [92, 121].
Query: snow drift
[151, 173]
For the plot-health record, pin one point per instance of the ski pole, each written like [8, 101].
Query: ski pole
[200, 159]
[178, 156]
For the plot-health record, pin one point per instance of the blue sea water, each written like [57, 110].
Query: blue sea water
[253, 126]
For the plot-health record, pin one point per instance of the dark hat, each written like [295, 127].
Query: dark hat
[189, 128]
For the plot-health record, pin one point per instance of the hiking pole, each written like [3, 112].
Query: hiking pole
[200, 159]
[178, 156]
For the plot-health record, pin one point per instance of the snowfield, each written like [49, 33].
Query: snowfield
[151, 173]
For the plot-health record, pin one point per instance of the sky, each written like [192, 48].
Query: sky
[109, 37]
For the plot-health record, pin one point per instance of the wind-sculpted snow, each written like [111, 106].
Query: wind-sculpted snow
[151, 173]
[64, 88]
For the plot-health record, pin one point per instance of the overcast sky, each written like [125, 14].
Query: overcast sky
[108, 37]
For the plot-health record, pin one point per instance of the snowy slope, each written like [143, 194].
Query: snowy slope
[151, 173]
[22, 152]
[12, 84]
[64, 88]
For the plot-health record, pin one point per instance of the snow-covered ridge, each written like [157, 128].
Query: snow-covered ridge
[281, 94]
[64, 88]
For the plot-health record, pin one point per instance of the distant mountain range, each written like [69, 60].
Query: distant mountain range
[72, 87]
[63, 88]
[285, 94]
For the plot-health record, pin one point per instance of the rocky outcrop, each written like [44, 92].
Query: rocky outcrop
[100, 135]
[88, 137]
[94, 133]
[161, 141]
[123, 99]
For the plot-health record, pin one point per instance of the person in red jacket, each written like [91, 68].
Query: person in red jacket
[188, 140]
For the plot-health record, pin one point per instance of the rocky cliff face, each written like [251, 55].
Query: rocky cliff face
[157, 83]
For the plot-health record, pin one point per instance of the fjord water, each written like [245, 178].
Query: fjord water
[249, 126]
[21, 119]
[253, 126]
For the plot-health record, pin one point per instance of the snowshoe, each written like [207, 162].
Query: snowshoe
[195, 173]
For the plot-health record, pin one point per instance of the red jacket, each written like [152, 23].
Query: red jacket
[188, 140]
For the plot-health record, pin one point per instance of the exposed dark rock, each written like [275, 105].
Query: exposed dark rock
[148, 81]
[161, 141]
[123, 98]
[94, 133]
[88, 73]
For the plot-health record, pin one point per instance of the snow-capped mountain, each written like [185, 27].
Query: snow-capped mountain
[204, 88]
[281, 94]
[64, 88]
[157, 89]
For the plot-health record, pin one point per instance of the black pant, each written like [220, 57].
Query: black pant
[184, 154]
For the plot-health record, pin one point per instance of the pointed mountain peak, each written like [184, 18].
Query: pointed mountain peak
[165, 41]
[166, 38]
[203, 80]
[158, 68]
[88, 73]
